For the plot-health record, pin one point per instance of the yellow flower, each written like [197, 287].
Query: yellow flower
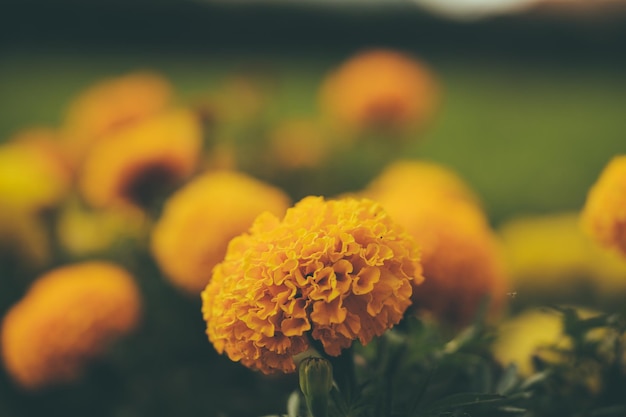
[533, 333]
[200, 219]
[604, 214]
[112, 104]
[525, 335]
[67, 317]
[552, 260]
[81, 231]
[33, 173]
[133, 165]
[333, 271]
[380, 89]
[460, 254]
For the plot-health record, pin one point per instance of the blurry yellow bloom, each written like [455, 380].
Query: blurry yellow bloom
[604, 214]
[551, 259]
[200, 219]
[112, 104]
[33, 173]
[298, 144]
[133, 165]
[67, 317]
[82, 232]
[525, 335]
[532, 333]
[334, 271]
[461, 257]
[380, 89]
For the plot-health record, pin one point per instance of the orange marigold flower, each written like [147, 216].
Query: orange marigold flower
[333, 271]
[462, 261]
[461, 257]
[604, 214]
[68, 316]
[200, 219]
[112, 104]
[380, 89]
[135, 164]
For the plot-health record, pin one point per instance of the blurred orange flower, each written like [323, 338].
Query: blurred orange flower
[112, 104]
[134, 165]
[422, 177]
[380, 89]
[200, 219]
[461, 257]
[604, 214]
[298, 143]
[68, 316]
[333, 271]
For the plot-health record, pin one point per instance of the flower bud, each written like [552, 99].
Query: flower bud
[316, 381]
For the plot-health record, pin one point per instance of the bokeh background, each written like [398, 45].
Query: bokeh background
[533, 106]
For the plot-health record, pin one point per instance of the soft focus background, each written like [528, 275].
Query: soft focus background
[533, 102]
[533, 106]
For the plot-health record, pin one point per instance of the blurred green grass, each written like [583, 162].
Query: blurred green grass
[528, 136]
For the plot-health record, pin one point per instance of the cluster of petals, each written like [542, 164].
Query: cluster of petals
[461, 256]
[68, 316]
[604, 214]
[328, 273]
[199, 220]
[380, 89]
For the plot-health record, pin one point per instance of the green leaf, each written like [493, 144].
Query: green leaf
[294, 404]
[455, 401]
[508, 381]
[535, 379]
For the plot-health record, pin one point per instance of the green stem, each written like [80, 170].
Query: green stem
[344, 372]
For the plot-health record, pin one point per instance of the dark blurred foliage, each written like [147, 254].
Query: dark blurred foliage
[290, 28]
